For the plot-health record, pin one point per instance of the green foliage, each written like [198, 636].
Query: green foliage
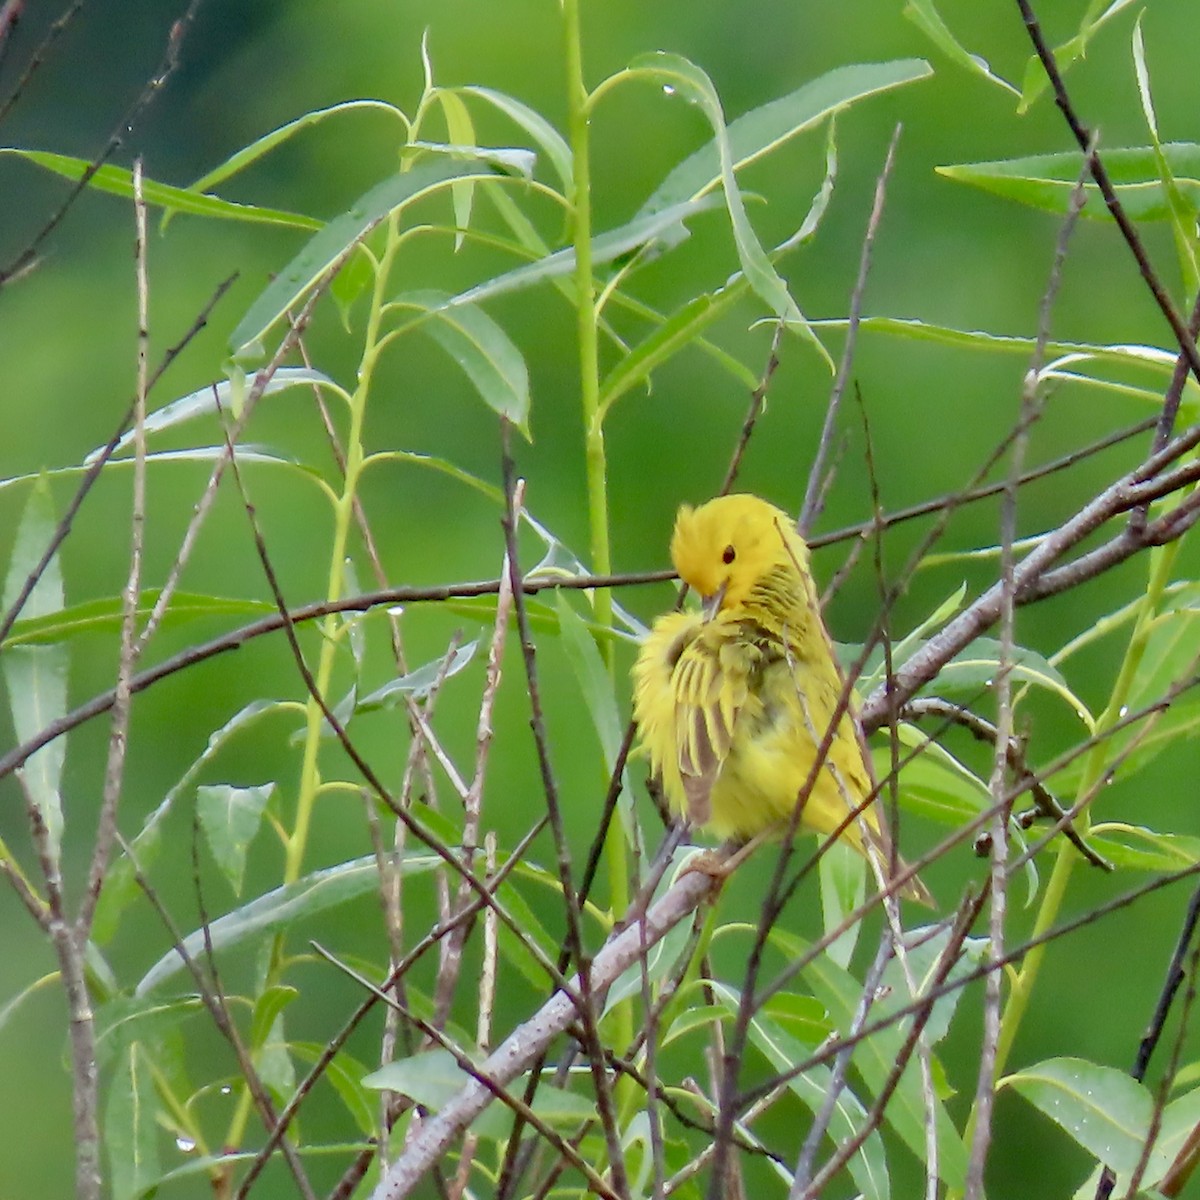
[374, 788]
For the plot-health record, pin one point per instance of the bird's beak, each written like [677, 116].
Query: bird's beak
[711, 605]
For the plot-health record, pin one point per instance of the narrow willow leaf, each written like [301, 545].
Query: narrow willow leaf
[595, 682]
[548, 139]
[558, 1107]
[659, 231]
[875, 1058]
[479, 344]
[661, 959]
[1137, 848]
[261, 146]
[925, 950]
[934, 785]
[694, 1016]
[9, 1009]
[280, 908]
[104, 616]
[1047, 181]
[1183, 219]
[1103, 1109]
[120, 884]
[273, 1060]
[1159, 361]
[419, 683]
[247, 453]
[874, 669]
[214, 397]
[433, 1078]
[36, 676]
[119, 182]
[1069, 52]
[230, 817]
[763, 129]
[680, 75]
[868, 1166]
[131, 1128]
[843, 884]
[976, 665]
[460, 129]
[344, 1074]
[337, 239]
[925, 16]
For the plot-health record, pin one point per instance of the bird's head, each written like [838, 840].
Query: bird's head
[723, 548]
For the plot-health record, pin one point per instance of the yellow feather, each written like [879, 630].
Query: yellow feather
[733, 703]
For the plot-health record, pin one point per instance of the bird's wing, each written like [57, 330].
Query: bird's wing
[710, 684]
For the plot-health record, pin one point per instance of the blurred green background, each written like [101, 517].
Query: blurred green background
[945, 254]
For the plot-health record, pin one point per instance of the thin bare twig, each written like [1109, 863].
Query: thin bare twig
[98, 462]
[166, 68]
[810, 509]
[129, 650]
[588, 1004]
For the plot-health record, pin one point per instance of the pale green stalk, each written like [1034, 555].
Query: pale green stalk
[310, 775]
[587, 334]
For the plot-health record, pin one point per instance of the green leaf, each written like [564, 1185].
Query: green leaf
[1137, 848]
[559, 1108]
[460, 130]
[659, 231]
[1068, 53]
[130, 1127]
[1183, 223]
[125, 1020]
[205, 401]
[119, 182]
[764, 129]
[282, 907]
[843, 879]
[419, 683]
[933, 783]
[868, 1166]
[1046, 181]
[678, 331]
[261, 146]
[595, 681]
[36, 676]
[478, 343]
[548, 139]
[926, 17]
[876, 1056]
[344, 1074]
[925, 948]
[874, 669]
[120, 883]
[1103, 1109]
[433, 1078]
[679, 75]
[273, 1060]
[330, 247]
[230, 817]
[976, 666]
[104, 616]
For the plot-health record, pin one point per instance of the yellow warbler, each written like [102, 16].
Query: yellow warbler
[733, 703]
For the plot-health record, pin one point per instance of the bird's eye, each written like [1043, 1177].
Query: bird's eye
[729, 555]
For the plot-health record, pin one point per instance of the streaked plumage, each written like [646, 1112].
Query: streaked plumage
[733, 703]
